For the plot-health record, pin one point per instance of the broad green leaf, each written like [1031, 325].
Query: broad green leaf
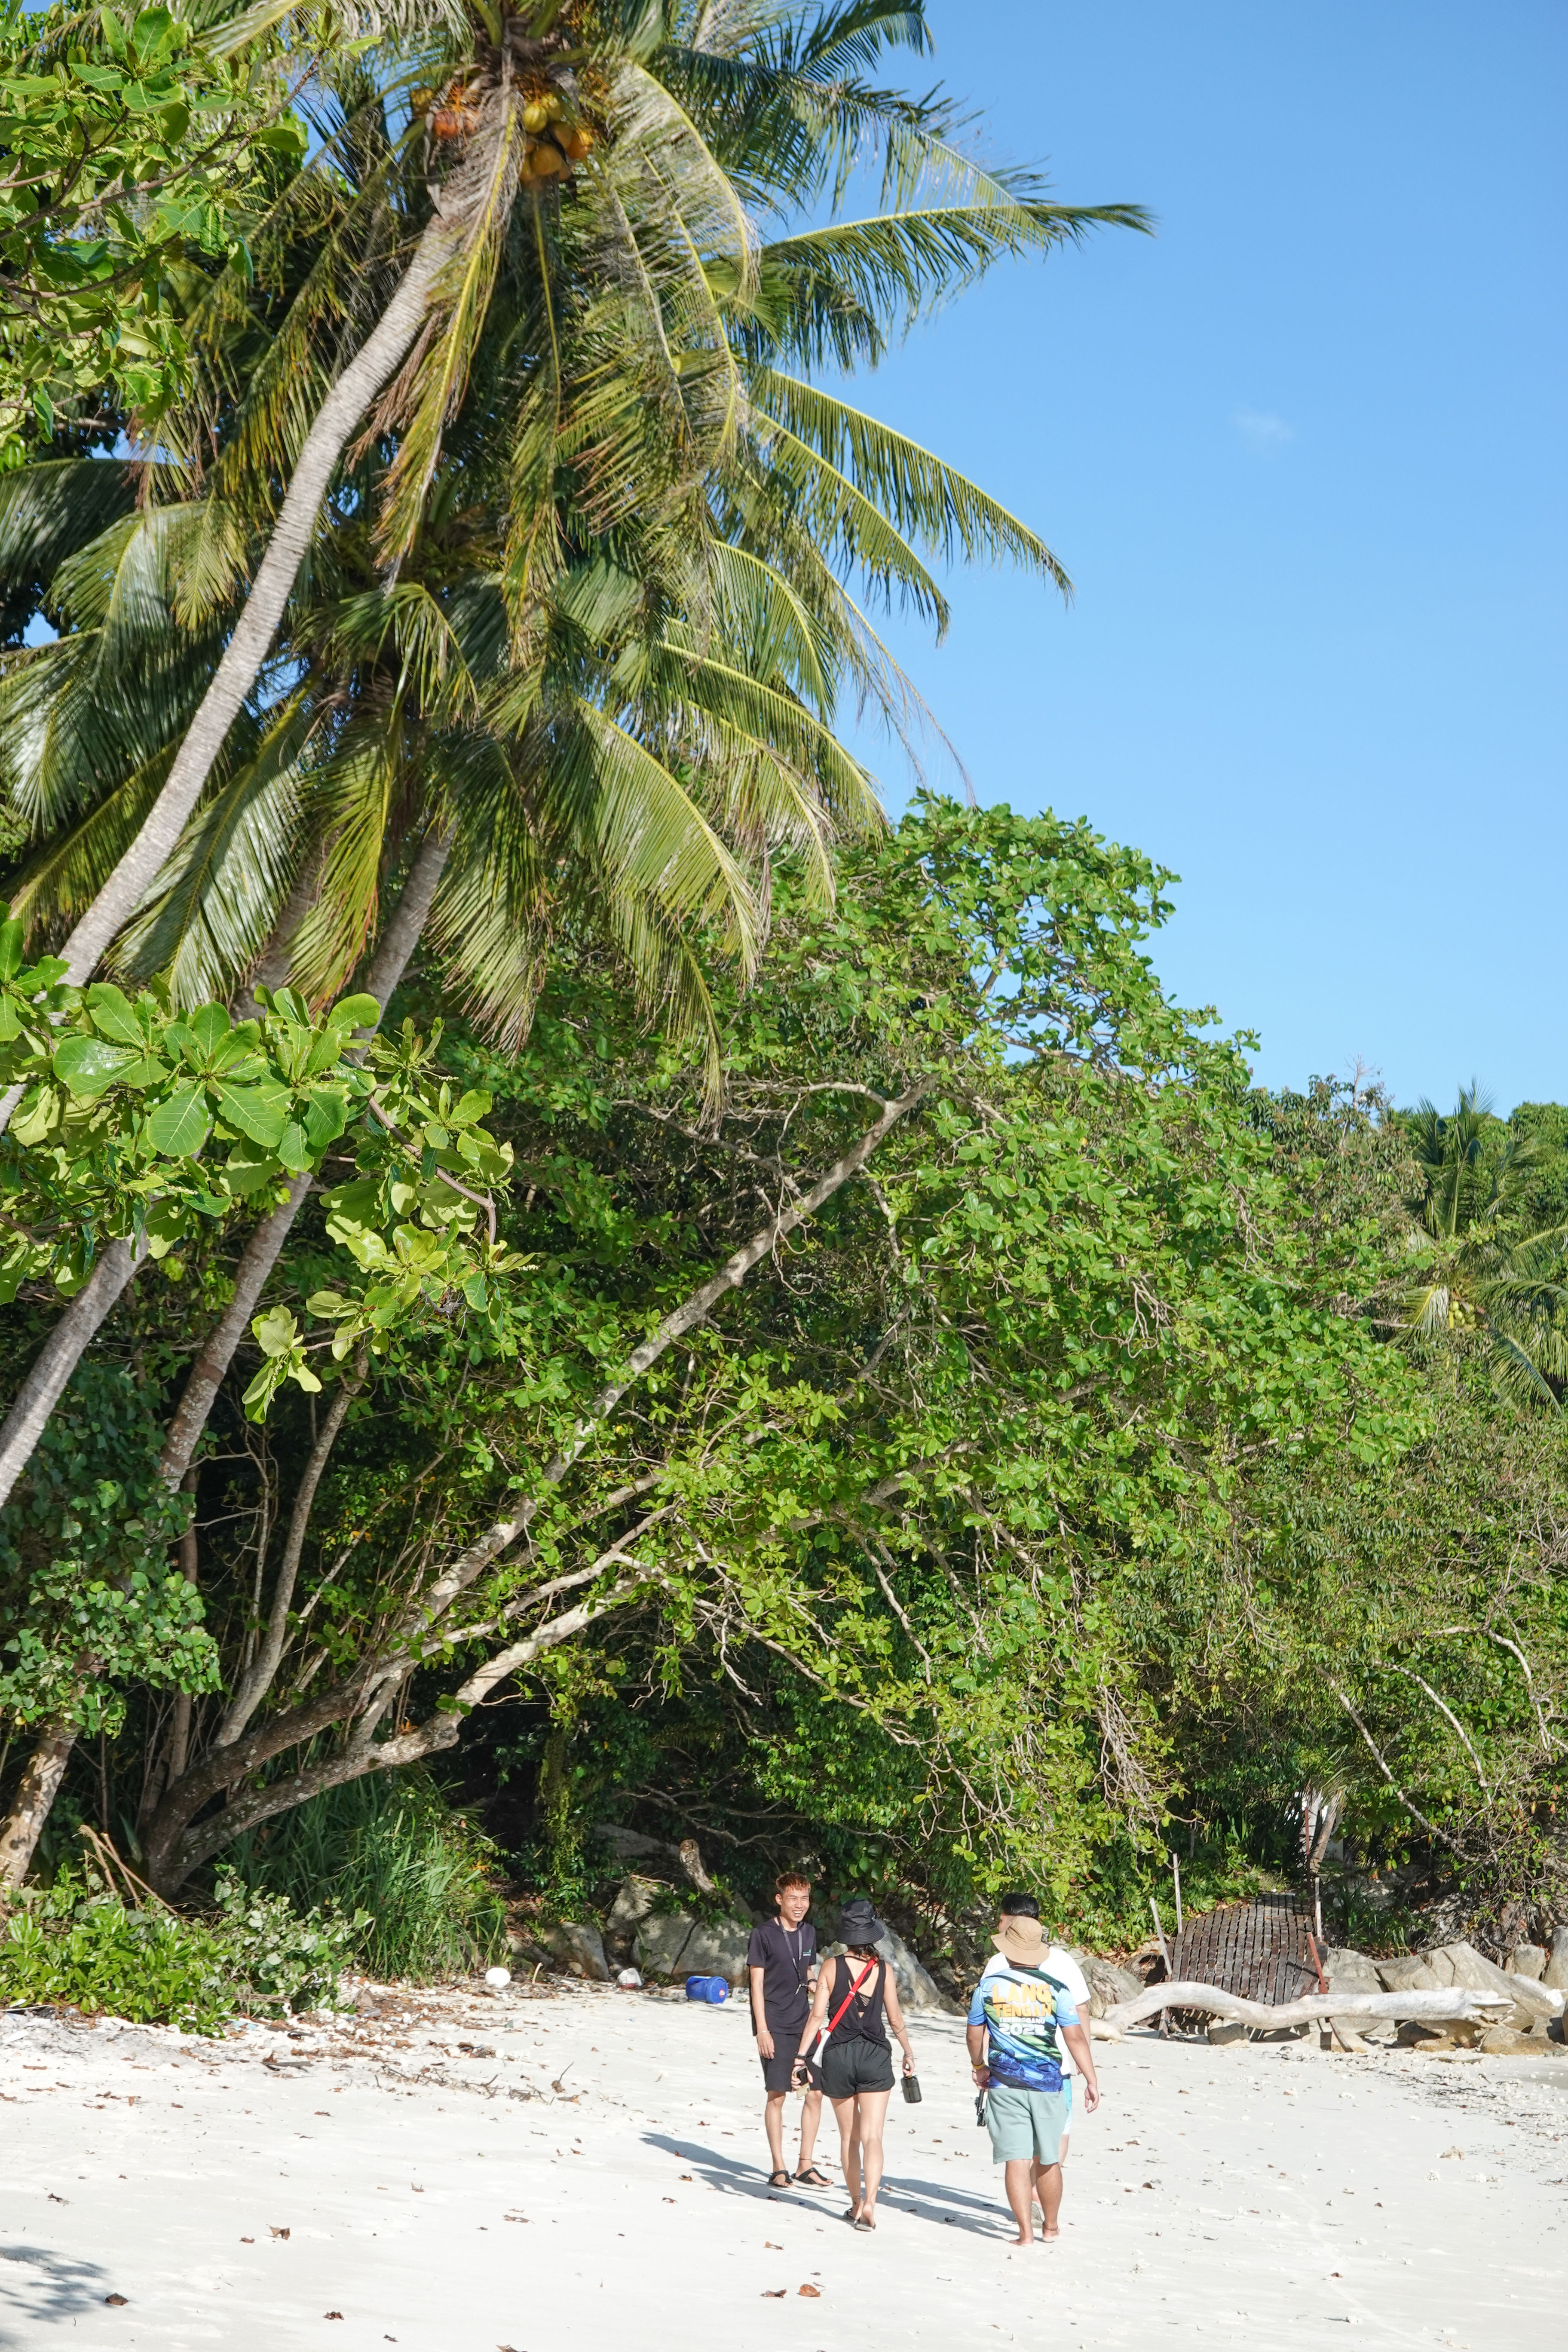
[473, 1105]
[292, 1149]
[90, 1066]
[326, 1115]
[353, 1208]
[275, 1332]
[209, 1024]
[113, 1016]
[330, 1305]
[178, 1127]
[258, 1112]
[10, 950]
[35, 1120]
[356, 1012]
[248, 1167]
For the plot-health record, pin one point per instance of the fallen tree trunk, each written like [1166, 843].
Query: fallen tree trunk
[1423, 2007]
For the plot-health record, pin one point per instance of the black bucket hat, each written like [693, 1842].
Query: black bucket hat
[858, 1924]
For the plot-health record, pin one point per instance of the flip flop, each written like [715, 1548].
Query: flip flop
[811, 2179]
[863, 2224]
[778, 2180]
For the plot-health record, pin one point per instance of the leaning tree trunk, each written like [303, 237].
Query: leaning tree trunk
[62, 1351]
[371, 367]
[46, 1769]
[396, 944]
[59, 1357]
[256, 626]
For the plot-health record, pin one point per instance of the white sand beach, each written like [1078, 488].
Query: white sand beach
[592, 2170]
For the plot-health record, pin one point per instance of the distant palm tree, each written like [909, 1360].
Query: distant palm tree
[1480, 1274]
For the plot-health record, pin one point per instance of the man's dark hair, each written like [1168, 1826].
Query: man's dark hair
[1019, 1906]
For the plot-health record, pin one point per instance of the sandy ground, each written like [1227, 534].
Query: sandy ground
[329, 2188]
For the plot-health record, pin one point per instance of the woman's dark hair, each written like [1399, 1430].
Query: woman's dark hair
[861, 1952]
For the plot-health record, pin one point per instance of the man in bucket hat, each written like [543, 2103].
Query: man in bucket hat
[1019, 2021]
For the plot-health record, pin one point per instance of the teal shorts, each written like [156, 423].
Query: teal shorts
[1026, 2126]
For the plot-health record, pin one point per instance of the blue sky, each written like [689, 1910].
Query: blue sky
[1303, 455]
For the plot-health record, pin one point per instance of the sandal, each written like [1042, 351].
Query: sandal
[811, 2179]
[863, 2224]
[778, 2180]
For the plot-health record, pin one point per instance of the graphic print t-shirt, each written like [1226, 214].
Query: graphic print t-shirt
[1022, 2011]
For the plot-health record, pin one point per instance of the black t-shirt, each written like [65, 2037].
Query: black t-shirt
[785, 1955]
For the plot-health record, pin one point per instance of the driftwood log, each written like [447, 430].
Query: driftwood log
[1436, 2006]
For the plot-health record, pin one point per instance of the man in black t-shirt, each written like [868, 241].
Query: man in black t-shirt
[781, 1961]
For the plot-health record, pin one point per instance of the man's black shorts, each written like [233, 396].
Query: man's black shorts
[851, 2066]
[777, 2069]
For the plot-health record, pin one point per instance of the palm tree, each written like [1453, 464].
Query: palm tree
[607, 164]
[1480, 1274]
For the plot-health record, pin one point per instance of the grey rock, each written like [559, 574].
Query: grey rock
[1507, 2042]
[678, 1944]
[1409, 1973]
[1108, 1984]
[917, 1989]
[1527, 1960]
[1349, 1971]
[1460, 1964]
[631, 1845]
[1223, 2030]
[1555, 1976]
[581, 1947]
[635, 1898]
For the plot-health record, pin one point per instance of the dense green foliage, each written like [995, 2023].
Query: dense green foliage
[131, 142]
[78, 1945]
[417, 1879]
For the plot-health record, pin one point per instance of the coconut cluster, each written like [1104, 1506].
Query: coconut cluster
[553, 143]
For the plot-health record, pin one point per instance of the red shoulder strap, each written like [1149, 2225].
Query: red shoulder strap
[849, 1996]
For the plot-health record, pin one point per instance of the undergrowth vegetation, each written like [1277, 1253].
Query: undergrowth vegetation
[78, 1945]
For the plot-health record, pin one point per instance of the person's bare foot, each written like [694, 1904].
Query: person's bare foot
[1046, 2235]
[1021, 2240]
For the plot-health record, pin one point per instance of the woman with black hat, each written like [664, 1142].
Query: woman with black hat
[856, 2000]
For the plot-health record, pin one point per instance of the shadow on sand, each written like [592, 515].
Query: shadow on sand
[927, 2201]
[39, 2288]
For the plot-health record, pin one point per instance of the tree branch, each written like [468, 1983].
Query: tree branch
[1430, 1827]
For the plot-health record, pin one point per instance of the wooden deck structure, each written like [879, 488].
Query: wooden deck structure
[1257, 1949]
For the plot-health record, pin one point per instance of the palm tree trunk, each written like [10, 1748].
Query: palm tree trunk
[46, 1770]
[59, 1357]
[396, 944]
[247, 648]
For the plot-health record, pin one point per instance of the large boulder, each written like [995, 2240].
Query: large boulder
[1507, 2042]
[1107, 1983]
[1555, 1974]
[1349, 1971]
[1409, 1973]
[674, 1944]
[634, 1899]
[1460, 1964]
[1527, 1960]
[917, 1989]
[581, 1947]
